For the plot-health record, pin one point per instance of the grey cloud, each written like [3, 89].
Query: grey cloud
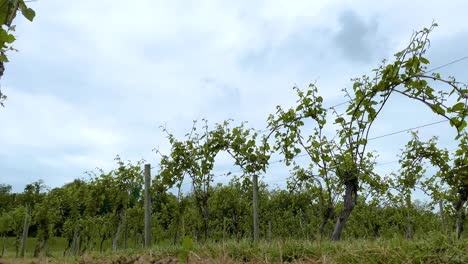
[226, 98]
[252, 55]
[445, 50]
[305, 47]
[357, 39]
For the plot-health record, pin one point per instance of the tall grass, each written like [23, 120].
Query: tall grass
[430, 249]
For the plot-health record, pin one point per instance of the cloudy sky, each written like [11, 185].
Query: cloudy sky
[93, 79]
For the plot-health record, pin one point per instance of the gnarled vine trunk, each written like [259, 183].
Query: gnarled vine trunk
[202, 203]
[349, 201]
[74, 243]
[327, 210]
[206, 216]
[409, 222]
[119, 229]
[180, 225]
[125, 236]
[460, 209]
[41, 246]
[235, 225]
[327, 215]
[103, 238]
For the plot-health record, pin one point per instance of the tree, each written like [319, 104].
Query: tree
[8, 10]
[32, 196]
[449, 182]
[406, 76]
[194, 157]
[329, 166]
[6, 205]
[457, 179]
[251, 157]
[79, 201]
[15, 224]
[46, 215]
[230, 208]
[123, 188]
[6, 198]
[5, 227]
[348, 160]
[323, 188]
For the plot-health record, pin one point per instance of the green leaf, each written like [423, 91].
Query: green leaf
[439, 110]
[27, 12]
[187, 244]
[3, 57]
[342, 140]
[5, 37]
[415, 63]
[458, 107]
[462, 126]
[424, 60]
[398, 54]
[359, 94]
[357, 85]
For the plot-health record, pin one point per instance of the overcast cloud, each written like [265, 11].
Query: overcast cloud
[93, 79]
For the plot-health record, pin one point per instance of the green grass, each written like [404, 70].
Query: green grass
[55, 244]
[351, 251]
[434, 249]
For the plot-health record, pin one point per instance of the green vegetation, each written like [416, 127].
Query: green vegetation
[396, 250]
[336, 196]
[8, 11]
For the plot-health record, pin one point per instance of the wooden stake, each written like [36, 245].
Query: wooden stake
[147, 205]
[255, 206]
[442, 217]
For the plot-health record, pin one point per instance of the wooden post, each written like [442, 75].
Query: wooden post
[442, 217]
[125, 235]
[25, 230]
[147, 205]
[300, 222]
[255, 206]
[224, 229]
[3, 245]
[269, 231]
[183, 225]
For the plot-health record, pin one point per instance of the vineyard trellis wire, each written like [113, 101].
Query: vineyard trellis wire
[373, 138]
[376, 137]
[370, 139]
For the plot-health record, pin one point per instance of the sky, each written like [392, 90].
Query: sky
[93, 79]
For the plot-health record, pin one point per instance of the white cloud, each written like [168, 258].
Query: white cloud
[45, 122]
[96, 78]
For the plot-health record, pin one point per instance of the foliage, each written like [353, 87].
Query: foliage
[195, 157]
[290, 129]
[348, 161]
[428, 249]
[8, 10]
[187, 246]
[450, 182]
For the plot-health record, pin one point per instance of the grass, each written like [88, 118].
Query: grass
[55, 244]
[435, 249]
